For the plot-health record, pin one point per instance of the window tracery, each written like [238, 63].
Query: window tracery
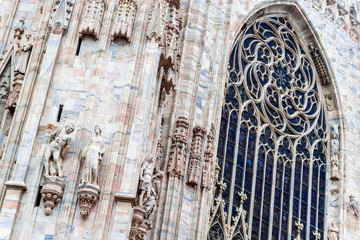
[273, 136]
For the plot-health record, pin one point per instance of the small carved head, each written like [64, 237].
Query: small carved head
[97, 130]
[69, 127]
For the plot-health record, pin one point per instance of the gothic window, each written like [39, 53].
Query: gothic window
[273, 139]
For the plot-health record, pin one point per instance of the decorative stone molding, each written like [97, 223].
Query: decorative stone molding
[160, 145]
[124, 20]
[329, 14]
[330, 2]
[178, 148]
[154, 30]
[60, 16]
[317, 5]
[352, 208]
[334, 154]
[173, 26]
[5, 80]
[319, 64]
[52, 192]
[166, 76]
[92, 18]
[147, 199]
[341, 23]
[334, 196]
[208, 158]
[88, 195]
[354, 34]
[194, 168]
[330, 102]
[333, 232]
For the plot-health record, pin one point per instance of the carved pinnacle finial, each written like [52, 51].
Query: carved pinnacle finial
[243, 197]
[316, 234]
[299, 227]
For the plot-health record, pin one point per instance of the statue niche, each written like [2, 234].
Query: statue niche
[89, 189]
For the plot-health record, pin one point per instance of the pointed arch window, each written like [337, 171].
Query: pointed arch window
[273, 139]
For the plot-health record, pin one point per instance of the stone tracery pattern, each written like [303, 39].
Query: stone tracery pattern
[273, 134]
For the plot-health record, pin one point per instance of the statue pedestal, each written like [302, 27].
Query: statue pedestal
[88, 195]
[52, 192]
[139, 224]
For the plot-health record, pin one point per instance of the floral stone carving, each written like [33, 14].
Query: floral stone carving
[124, 20]
[52, 192]
[178, 148]
[89, 190]
[92, 18]
[194, 169]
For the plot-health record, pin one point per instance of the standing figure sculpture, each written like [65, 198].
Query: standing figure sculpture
[145, 186]
[24, 55]
[333, 232]
[334, 154]
[57, 148]
[92, 155]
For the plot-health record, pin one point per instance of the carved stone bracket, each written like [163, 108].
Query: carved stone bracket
[52, 192]
[139, 225]
[194, 168]
[124, 20]
[60, 16]
[92, 18]
[319, 64]
[352, 208]
[88, 195]
[178, 148]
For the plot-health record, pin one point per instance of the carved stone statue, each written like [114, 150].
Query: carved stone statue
[92, 155]
[333, 232]
[147, 200]
[334, 154]
[145, 186]
[24, 55]
[57, 148]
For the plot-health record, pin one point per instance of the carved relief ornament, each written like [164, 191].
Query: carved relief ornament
[335, 173]
[60, 16]
[156, 20]
[319, 64]
[194, 168]
[352, 208]
[178, 148]
[208, 158]
[92, 18]
[124, 20]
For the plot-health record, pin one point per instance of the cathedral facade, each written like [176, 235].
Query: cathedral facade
[179, 119]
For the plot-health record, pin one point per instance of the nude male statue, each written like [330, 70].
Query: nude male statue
[56, 149]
